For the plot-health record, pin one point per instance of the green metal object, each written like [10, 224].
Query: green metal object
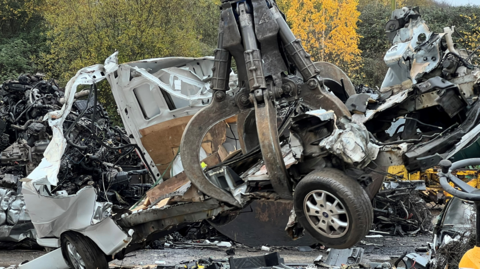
[471, 152]
[394, 5]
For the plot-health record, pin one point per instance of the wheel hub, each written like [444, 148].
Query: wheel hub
[326, 213]
[75, 257]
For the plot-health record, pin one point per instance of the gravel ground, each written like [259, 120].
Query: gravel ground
[17, 256]
[384, 249]
[175, 256]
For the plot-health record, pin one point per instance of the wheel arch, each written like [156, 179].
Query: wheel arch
[107, 235]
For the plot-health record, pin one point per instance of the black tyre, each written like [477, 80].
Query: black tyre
[81, 252]
[333, 208]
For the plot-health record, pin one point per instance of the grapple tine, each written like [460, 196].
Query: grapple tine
[266, 117]
[192, 138]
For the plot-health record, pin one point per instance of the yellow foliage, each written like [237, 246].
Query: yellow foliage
[327, 28]
[470, 39]
[85, 32]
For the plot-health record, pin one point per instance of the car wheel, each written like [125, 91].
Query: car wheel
[333, 208]
[81, 252]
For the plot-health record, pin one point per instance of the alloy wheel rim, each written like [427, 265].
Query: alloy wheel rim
[326, 213]
[75, 257]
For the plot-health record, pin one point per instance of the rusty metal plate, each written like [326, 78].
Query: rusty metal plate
[263, 222]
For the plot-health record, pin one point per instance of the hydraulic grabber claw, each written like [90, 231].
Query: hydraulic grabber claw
[221, 108]
[265, 50]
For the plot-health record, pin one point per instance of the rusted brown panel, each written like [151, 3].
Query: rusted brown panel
[141, 206]
[192, 195]
[222, 153]
[212, 160]
[167, 187]
[183, 121]
[231, 120]
[214, 138]
[162, 140]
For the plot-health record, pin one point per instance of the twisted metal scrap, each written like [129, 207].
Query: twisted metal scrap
[402, 212]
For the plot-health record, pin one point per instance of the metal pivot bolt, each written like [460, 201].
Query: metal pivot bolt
[244, 99]
[259, 95]
[287, 88]
[445, 164]
[220, 95]
[312, 84]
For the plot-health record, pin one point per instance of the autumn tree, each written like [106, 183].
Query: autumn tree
[328, 29]
[470, 36]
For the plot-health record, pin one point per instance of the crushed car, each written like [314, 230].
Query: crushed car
[297, 132]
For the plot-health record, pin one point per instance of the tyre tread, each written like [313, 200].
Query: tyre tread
[94, 255]
[346, 188]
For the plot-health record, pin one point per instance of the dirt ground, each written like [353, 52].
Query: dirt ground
[384, 249]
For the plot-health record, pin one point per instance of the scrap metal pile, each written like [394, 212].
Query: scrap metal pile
[401, 212]
[98, 154]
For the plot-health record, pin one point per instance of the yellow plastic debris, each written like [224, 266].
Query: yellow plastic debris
[471, 259]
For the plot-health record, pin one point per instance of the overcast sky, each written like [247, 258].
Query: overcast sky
[463, 2]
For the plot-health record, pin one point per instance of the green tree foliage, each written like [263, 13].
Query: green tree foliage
[373, 43]
[205, 14]
[15, 55]
[21, 38]
[19, 16]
